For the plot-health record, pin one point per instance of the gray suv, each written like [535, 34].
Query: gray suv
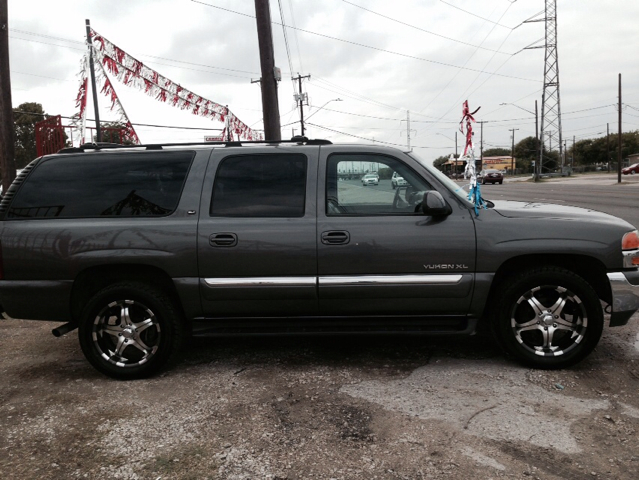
[139, 246]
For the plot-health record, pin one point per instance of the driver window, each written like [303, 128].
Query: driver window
[372, 185]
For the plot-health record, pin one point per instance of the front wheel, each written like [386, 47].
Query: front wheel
[130, 330]
[548, 317]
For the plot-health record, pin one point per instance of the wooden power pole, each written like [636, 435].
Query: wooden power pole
[619, 156]
[268, 83]
[7, 145]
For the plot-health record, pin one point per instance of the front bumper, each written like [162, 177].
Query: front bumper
[625, 296]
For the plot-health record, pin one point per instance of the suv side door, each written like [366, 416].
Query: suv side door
[256, 233]
[378, 254]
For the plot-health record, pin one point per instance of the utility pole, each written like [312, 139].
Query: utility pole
[301, 98]
[512, 152]
[572, 159]
[619, 152]
[98, 130]
[268, 83]
[7, 145]
[408, 129]
[537, 153]
[456, 146]
[608, 145]
[481, 147]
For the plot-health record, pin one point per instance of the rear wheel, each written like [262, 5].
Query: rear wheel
[130, 330]
[548, 317]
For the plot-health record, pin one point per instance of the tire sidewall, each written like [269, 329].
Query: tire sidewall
[556, 277]
[164, 312]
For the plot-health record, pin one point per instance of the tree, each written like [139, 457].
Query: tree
[439, 161]
[25, 116]
[497, 152]
[114, 132]
[526, 152]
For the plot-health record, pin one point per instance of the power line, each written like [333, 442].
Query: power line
[115, 121]
[424, 30]
[372, 139]
[482, 18]
[46, 43]
[46, 36]
[288, 50]
[42, 76]
[141, 54]
[350, 42]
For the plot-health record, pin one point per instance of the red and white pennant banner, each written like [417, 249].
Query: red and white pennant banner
[80, 118]
[108, 90]
[134, 73]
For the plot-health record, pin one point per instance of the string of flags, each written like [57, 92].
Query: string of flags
[134, 73]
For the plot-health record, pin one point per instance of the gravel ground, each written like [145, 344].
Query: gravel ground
[318, 408]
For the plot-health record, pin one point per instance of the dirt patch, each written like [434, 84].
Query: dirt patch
[345, 408]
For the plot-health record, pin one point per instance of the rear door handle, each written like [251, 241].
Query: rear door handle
[223, 240]
[336, 237]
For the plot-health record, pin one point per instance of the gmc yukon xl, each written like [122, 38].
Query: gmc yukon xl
[138, 246]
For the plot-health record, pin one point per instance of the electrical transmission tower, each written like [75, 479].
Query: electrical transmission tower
[550, 103]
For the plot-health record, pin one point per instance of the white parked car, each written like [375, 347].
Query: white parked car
[397, 180]
[370, 179]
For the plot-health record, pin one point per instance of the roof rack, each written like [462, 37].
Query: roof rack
[299, 140]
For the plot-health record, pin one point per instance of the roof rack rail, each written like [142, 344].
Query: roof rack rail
[158, 146]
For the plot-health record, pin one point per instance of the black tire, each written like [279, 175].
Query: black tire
[394, 186]
[547, 317]
[134, 319]
[501, 182]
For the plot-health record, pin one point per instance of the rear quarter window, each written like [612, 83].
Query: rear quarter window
[103, 185]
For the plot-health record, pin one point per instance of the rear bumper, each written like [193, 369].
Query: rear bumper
[625, 296]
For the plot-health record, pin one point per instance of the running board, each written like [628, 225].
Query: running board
[334, 326]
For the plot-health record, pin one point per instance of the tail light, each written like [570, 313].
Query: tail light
[630, 249]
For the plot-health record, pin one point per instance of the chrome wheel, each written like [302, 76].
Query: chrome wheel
[126, 333]
[549, 320]
[547, 317]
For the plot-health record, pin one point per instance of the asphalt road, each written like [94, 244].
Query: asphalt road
[598, 192]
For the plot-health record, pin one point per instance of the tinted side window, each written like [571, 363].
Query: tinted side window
[270, 185]
[371, 184]
[140, 184]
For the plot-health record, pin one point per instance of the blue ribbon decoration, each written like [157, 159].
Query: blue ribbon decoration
[474, 196]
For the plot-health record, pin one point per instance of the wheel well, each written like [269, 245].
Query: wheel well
[90, 281]
[588, 268]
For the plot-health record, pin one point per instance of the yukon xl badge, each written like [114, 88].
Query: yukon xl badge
[446, 266]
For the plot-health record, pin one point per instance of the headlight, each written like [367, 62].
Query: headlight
[630, 249]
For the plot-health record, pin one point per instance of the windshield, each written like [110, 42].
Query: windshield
[452, 186]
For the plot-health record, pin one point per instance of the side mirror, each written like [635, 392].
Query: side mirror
[434, 205]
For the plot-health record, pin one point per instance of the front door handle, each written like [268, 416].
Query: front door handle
[223, 240]
[336, 237]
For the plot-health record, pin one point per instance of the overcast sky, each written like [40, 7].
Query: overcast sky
[385, 58]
